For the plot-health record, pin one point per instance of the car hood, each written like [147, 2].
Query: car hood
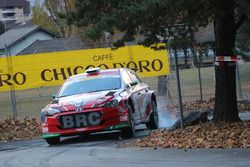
[82, 101]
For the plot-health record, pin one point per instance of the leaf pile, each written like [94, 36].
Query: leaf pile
[205, 105]
[207, 135]
[14, 129]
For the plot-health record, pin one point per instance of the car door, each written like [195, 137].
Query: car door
[143, 98]
[133, 89]
[139, 93]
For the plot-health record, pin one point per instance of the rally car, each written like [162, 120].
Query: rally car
[99, 100]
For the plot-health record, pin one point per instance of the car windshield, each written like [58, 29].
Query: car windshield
[90, 84]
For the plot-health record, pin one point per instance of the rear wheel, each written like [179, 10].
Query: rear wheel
[129, 131]
[153, 122]
[53, 140]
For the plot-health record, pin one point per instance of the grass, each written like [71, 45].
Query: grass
[30, 102]
[190, 83]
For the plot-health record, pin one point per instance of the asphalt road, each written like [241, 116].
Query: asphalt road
[101, 150]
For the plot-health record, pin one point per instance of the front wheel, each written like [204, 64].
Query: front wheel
[53, 140]
[129, 131]
[153, 122]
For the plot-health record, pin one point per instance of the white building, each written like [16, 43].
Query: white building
[14, 10]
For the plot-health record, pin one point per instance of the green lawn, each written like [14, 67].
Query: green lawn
[190, 82]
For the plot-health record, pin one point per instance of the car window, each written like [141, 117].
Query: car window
[133, 77]
[93, 84]
[126, 77]
[138, 78]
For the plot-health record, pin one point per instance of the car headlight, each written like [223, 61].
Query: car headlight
[51, 111]
[48, 112]
[113, 103]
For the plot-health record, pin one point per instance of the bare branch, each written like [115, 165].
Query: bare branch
[52, 12]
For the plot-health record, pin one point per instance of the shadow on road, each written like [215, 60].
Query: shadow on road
[103, 138]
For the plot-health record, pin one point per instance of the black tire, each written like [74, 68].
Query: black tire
[53, 140]
[129, 132]
[153, 122]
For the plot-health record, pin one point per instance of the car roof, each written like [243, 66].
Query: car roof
[103, 72]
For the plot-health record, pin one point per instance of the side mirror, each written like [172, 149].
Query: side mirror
[127, 86]
[53, 96]
[133, 83]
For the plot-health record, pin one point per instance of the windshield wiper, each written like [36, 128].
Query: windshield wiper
[96, 91]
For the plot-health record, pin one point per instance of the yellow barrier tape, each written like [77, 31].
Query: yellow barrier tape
[51, 69]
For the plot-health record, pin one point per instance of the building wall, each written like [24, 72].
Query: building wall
[18, 14]
[21, 45]
[1, 15]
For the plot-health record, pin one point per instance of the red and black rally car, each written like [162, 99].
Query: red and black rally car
[99, 100]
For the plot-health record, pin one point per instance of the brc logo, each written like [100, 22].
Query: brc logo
[81, 120]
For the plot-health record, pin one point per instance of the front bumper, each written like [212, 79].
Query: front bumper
[111, 119]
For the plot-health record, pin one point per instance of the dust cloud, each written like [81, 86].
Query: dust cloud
[166, 118]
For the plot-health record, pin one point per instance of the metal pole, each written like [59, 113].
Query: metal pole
[169, 62]
[199, 73]
[12, 88]
[238, 82]
[13, 99]
[178, 88]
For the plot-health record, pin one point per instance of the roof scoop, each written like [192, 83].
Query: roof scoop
[93, 70]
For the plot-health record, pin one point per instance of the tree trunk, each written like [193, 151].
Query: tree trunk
[225, 92]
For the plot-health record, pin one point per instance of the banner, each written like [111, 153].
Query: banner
[51, 69]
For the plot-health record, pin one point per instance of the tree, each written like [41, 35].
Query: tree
[225, 91]
[59, 11]
[40, 17]
[151, 18]
[54, 15]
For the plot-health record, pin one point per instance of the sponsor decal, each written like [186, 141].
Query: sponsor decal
[45, 129]
[51, 69]
[119, 126]
[81, 120]
[79, 106]
[81, 129]
[49, 135]
[124, 118]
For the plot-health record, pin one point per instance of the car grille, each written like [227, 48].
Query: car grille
[80, 120]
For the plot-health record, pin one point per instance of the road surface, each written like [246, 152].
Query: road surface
[101, 150]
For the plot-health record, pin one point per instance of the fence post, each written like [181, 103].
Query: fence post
[238, 82]
[12, 87]
[199, 73]
[179, 88]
